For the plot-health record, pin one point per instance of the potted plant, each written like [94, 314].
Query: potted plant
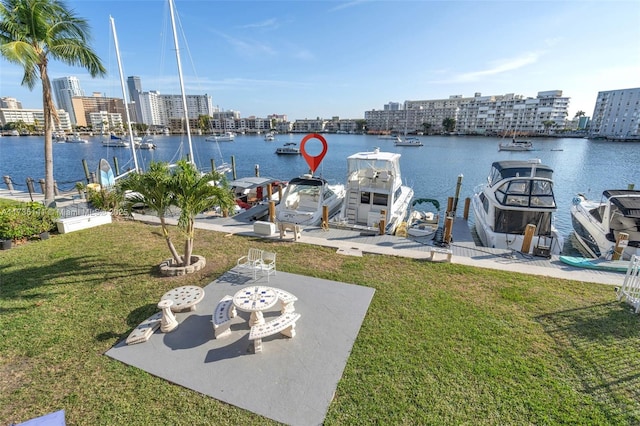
[187, 189]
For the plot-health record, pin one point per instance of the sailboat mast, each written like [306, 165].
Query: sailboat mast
[184, 96]
[124, 94]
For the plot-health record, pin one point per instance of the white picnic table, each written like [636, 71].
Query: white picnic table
[255, 299]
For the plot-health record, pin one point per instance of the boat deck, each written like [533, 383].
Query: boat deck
[357, 242]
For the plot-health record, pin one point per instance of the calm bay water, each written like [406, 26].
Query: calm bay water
[580, 165]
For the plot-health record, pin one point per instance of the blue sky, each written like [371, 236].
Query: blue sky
[309, 59]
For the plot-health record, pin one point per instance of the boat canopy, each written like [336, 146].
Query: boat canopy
[375, 160]
[501, 170]
[627, 200]
[308, 181]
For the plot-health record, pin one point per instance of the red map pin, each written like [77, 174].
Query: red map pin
[313, 161]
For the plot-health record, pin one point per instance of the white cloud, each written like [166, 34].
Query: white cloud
[497, 67]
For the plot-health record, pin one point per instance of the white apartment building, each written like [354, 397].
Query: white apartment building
[106, 121]
[64, 89]
[11, 103]
[34, 117]
[476, 115]
[616, 115]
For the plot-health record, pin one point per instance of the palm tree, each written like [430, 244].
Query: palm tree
[31, 33]
[160, 188]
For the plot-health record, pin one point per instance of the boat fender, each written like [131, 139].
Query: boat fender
[576, 200]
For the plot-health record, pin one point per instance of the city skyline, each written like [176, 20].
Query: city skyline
[324, 59]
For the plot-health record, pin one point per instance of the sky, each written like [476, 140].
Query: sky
[309, 59]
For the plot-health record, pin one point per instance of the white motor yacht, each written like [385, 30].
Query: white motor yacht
[517, 194]
[375, 191]
[597, 224]
[304, 199]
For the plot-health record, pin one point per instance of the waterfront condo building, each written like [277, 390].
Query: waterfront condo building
[64, 90]
[616, 115]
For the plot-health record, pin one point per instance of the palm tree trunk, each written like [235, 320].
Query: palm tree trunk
[188, 245]
[167, 238]
[50, 117]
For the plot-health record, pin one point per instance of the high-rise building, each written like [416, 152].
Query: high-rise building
[616, 115]
[64, 89]
[134, 84]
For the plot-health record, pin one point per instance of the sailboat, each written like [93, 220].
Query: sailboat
[407, 141]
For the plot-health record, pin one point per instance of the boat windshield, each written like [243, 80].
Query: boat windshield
[533, 193]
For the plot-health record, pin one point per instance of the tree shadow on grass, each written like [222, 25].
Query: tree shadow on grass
[19, 282]
[601, 344]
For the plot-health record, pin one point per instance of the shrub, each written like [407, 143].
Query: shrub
[26, 220]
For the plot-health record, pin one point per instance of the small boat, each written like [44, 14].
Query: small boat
[289, 148]
[374, 192]
[597, 224]
[304, 199]
[269, 137]
[225, 137]
[517, 194]
[422, 223]
[598, 264]
[251, 194]
[408, 141]
[115, 141]
[516, 145]
[144, 143]
[75, 138]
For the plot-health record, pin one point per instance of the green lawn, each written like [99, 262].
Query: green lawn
[441, 343]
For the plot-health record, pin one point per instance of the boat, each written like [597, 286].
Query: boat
[251, 195]
[516, 145]
[598, 264]
[597, 224]
[115, 142]
[517, 194]
[374, 192]
[421, 223]
[75, 138]
[144, 143]
[408, 141]
[304, 200]
[289, 148]
[225, 137]
[269, 137]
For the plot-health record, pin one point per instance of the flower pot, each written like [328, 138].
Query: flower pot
[5, 244]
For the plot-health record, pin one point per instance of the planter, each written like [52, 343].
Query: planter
[168, 268]
[5, 244]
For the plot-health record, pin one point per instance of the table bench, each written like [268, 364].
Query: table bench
[436, 250]
[284, 324]
[286, 301]
[222, 315]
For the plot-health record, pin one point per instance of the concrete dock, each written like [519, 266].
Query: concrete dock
[354, 242]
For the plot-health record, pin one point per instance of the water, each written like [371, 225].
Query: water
[580, 165]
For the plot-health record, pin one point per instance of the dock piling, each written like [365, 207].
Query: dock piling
[8, 182]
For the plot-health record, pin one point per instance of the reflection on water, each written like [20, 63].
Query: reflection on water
[432, 170]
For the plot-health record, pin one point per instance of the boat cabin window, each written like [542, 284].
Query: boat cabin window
[516, 221]
[365, 197]
[380, 199]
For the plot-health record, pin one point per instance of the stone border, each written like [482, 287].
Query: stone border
[168, 268]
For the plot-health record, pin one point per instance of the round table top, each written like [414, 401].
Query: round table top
[255, 298]
[184, 297]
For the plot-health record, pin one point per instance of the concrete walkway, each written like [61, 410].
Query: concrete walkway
[465, 251]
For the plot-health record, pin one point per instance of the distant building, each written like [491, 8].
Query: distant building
[34, 117]
[64, 90]
[10, 103]
[495, 114]
[87, 105]
[134, 84]
[616, 115]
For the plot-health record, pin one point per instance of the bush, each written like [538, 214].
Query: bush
[26, 220]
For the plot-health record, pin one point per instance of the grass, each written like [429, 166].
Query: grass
[441, 343]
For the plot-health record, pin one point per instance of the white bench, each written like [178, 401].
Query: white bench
[285, 226]
[76, 223]
[435, 250]
[286, 301]
[222, 316]
[284, 324]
